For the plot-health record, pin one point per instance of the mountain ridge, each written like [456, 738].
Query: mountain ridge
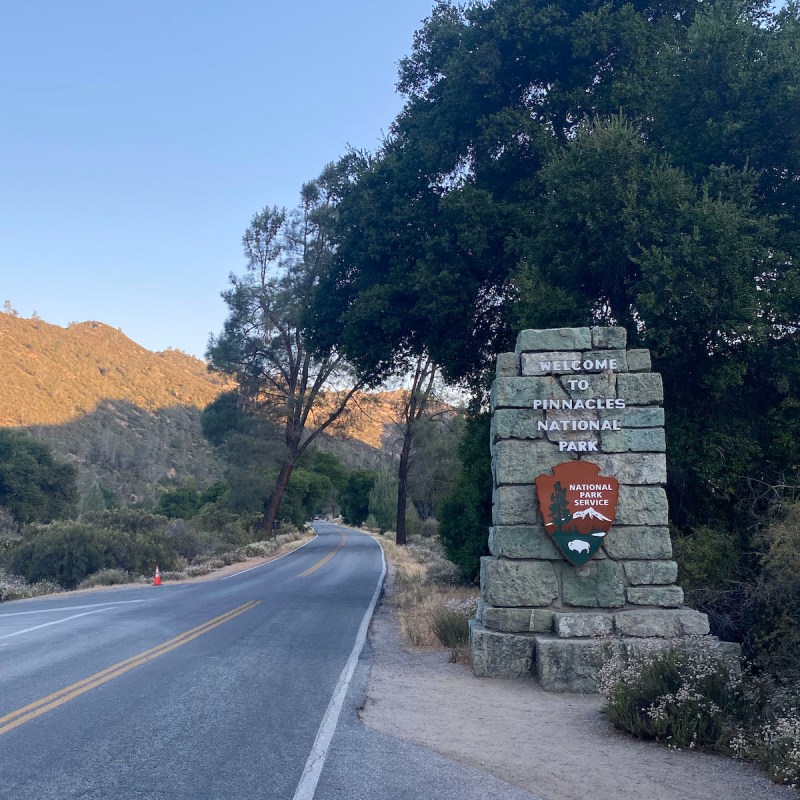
[53, 375]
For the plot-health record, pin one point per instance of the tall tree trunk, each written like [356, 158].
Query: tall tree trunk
[402, 487]
[274, 503]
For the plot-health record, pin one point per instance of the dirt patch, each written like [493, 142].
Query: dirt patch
[558, 746]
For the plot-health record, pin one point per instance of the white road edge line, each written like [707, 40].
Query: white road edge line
[319, 751]
[54, 622]
[71, 608]
[271, 561]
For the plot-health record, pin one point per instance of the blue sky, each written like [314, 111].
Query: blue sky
[137, 140]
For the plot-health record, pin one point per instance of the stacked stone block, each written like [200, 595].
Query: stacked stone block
[539, 613]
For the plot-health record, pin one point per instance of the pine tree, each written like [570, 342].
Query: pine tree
[559, 510]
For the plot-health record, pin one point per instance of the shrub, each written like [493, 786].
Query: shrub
[775, 744]
[129, 520]
[13, 587]
[429, 528]
[466, 513]
[685, 695]
[770, 731]
[371, 524]
[258, 549]
[451, 626]
[106, 577]
[184, 539]
[773, 604]
[413, 522]
[354, 497]
[9, 529]
[173, 575]
[221, 530]
[443, 572]
[68, 552]
[34, 485]
[179, 502]
[420, 553]
[779, 743]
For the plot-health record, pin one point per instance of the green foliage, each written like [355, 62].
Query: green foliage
[684, 696]
[185, 501]
[775, 744]
[93, 499]
[308, 491]
[13, 587]
[431, 227]
[707, 557]
[263, 347]
[67, 552]
[128, 520]
[187, 541]
[633, 163]
[354, 498]
[223, 417]
[9, 527]
[772, 603]
[221, 529]
[126, 452]
[434, 461]
[328, 465]
[179, 502]
[249, 445]
[33, 485]
[466, 514]
[688, 697]
[413, 522]
[383, 501]
[106, 577]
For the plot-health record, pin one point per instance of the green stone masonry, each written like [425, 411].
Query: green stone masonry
[576, 394]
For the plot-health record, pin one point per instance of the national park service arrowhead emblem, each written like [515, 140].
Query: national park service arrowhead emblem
[578, 507]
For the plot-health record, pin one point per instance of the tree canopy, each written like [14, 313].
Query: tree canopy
[594, 162]
[262, 346]
[34, 486]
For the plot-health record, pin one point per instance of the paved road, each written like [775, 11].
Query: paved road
[227, 689]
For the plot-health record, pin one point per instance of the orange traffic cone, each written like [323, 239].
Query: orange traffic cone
[157, 578]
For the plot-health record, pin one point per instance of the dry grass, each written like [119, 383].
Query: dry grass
[419, 600]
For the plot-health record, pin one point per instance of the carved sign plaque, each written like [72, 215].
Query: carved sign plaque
[578, 507]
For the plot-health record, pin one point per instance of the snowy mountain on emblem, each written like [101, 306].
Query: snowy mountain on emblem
[591, 513]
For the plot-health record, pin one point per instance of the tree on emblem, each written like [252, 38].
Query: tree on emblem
[559, 510]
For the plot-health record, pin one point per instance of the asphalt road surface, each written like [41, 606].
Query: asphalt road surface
[241, 687]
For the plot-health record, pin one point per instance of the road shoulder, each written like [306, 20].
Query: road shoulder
[548, 744]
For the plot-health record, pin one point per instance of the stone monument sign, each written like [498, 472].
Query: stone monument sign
[581, 560]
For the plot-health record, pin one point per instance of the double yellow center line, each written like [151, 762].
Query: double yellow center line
[323, 561]
[45, 704]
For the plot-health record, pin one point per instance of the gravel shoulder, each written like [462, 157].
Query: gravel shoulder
[556, 745]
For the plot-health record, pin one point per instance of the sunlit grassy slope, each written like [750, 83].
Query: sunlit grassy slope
[52, 375]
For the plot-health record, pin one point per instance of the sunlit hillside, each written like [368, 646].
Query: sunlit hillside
[53, 375]
[129, 418]
[371, 418]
